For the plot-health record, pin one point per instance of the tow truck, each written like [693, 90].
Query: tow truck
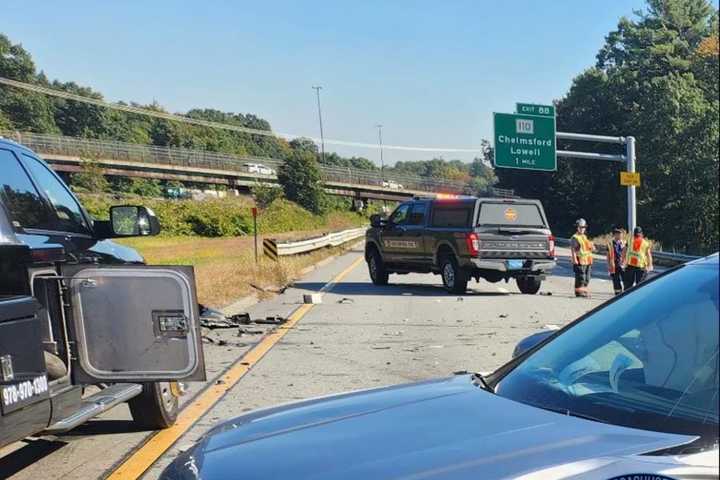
[85, 324]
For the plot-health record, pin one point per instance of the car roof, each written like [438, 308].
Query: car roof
[6, 142]
[710, 260]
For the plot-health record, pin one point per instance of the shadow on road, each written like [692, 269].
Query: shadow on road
[33, 451]
[393, 289]
[104, 427]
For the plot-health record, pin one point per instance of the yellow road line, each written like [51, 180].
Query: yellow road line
[138, 463]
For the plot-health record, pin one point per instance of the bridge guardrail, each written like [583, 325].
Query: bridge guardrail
[185, 157]
[667, 259]
[333, 239]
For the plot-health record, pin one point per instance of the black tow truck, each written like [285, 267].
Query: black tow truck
[463, 237]
[84, 324]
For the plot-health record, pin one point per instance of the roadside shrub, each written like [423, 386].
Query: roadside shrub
[265, 194]
[89, 179]
[223, 217]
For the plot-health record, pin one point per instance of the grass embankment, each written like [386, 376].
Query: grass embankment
[225, 267]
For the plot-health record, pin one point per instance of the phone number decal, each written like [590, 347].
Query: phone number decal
[20, 392]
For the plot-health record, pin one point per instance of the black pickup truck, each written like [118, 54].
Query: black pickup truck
[84, 323]
[462, 238]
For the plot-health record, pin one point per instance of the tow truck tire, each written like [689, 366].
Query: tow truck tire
[376, 267]
[156, 407]
[528, 285]
[454, 278]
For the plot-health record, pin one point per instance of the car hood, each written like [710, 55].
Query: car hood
[446, 428]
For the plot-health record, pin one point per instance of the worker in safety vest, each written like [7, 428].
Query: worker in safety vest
[581, 250]
[637, 259]
[615, 251]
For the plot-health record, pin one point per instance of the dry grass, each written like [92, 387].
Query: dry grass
[225, 268]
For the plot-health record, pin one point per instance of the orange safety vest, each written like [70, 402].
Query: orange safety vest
[611, 255]
[637, 253]
[584, 255]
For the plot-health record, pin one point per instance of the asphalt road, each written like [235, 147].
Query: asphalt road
[361, 336]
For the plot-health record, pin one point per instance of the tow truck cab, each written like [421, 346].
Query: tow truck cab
[78, 310]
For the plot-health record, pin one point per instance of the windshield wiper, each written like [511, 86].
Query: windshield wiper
[477, 379]
[480, 381]
[570, 413]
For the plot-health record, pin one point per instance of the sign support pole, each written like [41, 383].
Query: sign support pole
[255, 229]
[632, 202]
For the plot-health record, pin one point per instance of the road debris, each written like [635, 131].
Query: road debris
[346, 300]
[503, 315]
[312, 298]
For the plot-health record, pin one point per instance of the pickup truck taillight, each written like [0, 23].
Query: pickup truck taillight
[551, 245]
[473, 243]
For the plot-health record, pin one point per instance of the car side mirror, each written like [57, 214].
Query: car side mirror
[377, 221]
[531, 341]
[133, 221]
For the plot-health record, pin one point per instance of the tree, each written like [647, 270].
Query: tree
[655, 79]
[300, 178]
[90, 179]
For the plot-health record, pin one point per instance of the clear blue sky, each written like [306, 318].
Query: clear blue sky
[432, 72]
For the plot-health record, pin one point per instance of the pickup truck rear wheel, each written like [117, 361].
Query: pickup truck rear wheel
[528, 285]
[376, 267]
[455, 279]
[157, 406]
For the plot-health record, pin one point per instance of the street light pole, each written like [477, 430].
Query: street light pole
[382, 163]
[322, 137]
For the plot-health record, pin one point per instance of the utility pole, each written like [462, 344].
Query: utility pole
[382, 163]
[322, 137]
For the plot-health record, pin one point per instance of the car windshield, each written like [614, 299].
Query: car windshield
[648, 360]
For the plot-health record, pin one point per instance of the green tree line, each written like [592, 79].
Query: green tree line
[656, 78]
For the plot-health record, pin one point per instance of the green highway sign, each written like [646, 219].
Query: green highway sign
[532, 109]
[525, 142]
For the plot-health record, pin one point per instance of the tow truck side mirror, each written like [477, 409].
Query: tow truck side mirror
[133, 221]
[377, 221]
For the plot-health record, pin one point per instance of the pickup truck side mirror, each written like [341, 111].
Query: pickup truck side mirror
[133, 221]
[377, 221]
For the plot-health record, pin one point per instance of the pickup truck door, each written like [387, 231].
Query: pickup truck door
[415, 235]
[394, 243]
[133, 323]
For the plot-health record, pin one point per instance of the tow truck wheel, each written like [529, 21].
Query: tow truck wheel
[454, 278]
[528, 285]
[157, 406]
[376, 267]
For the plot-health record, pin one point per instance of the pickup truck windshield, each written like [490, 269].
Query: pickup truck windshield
[510, 214]
[648, 360]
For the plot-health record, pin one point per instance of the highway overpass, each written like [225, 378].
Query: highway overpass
[68, 154]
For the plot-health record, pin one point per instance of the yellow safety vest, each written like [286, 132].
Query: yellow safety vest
[637, 253]
[584, 255]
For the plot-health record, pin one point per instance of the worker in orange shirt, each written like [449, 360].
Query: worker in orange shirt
[637, 259]
[581, 255]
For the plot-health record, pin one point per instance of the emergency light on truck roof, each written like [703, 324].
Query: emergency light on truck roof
[441, 196]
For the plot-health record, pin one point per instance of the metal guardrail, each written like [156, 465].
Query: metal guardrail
[185, 157]
[307, 245]
[667, 259]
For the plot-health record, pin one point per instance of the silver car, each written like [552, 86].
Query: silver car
[628, 391]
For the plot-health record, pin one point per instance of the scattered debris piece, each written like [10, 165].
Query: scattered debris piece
[272, 320]
[503, 315]
[436, 346]
[312, 298]
[460, 299]
[346, 300]
[241, 318]
[380, 348]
